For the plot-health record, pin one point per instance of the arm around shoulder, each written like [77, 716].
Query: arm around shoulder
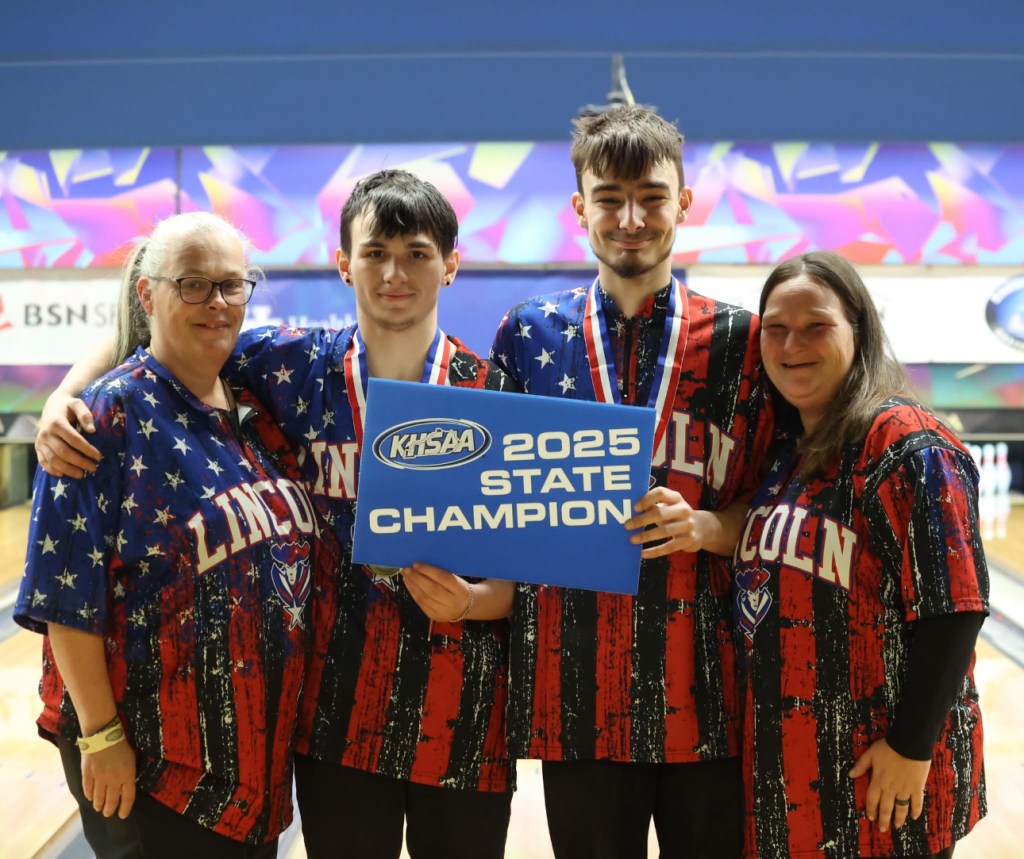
[61, 449]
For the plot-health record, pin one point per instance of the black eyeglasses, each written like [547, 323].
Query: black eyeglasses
[196, 290]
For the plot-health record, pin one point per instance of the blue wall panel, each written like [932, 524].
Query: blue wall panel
[118, 73]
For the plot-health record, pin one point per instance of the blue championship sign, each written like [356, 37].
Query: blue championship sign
[532, 489]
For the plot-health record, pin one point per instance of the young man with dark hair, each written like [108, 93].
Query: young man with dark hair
[403, 712]
[632, 703]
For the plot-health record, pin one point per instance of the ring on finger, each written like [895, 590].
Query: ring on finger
[903, 802]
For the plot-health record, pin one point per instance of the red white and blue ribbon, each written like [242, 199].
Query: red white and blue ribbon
[670, 355]
[435, 372]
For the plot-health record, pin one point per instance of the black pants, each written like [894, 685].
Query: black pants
[350, 813]
[603, 809]
[152, 830]
[165, 834]
[109, 837]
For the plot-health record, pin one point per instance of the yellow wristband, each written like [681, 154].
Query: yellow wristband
[109, 735]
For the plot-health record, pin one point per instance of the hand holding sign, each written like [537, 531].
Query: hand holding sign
[442, 596]
[447, 598]
[665, 515]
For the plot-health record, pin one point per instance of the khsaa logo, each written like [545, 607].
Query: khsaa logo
[432, 443]
[1005, 312]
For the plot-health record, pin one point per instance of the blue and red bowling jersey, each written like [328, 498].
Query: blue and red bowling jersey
[387, 691]
[191, 551]
[650, 678]
[831, 572]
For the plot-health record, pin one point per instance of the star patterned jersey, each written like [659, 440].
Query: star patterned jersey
[388, 691]
[648, 678]
[191, 551]
[830, 574]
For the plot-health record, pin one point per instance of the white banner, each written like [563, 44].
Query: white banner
[54, 321]
[975, 318]
[939, 319]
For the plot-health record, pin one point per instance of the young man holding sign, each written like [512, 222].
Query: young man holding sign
[404, 704]
[632, 702]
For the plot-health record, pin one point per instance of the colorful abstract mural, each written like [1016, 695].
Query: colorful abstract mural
[78, 208]
[754, 203]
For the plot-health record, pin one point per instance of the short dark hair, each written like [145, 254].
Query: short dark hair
[875, 375]
[401, 204]
[628, 140]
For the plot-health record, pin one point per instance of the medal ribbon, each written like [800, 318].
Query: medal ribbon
[435, 372]
[670, 355]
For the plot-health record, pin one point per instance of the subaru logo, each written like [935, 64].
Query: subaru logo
[1005, 312]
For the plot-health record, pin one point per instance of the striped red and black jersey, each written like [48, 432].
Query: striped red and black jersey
[58, 718]
[830, 574]
[651, 678]
[191, 551]
[387, 691]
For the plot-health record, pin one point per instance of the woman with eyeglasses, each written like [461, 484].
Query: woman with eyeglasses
[173, 583]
